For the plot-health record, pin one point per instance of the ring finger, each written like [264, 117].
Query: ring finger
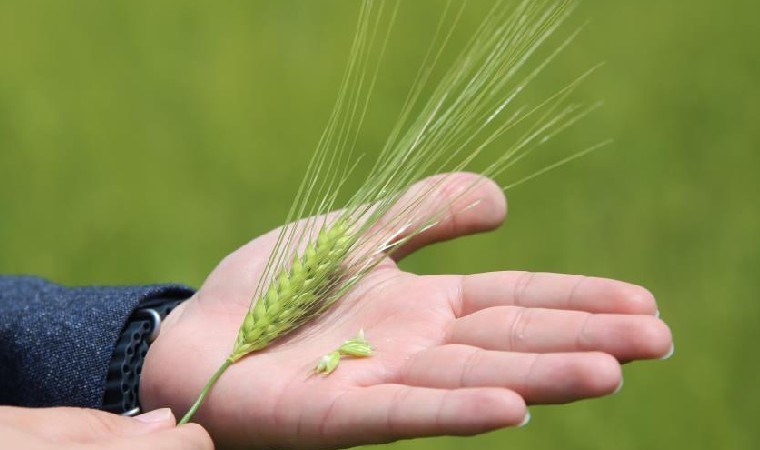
[539, 378]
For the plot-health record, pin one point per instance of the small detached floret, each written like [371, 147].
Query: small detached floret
[328, 363]
[357, 347]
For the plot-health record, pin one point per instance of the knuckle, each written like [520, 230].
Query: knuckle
[524, 281]
[470, 365]
[573, 293]
[517, 320]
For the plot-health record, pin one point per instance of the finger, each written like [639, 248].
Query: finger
[463, 203]
[83, 425]
[13, 438]
[383, 413]
[537, 330]
[548, 290]
[184, 437]
[538, 378]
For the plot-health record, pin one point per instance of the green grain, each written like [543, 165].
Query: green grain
[297, 293]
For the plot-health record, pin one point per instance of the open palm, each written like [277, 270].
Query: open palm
[453, 354]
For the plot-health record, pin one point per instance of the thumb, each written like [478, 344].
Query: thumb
[184, 437]
[65, 424]
[461, 203]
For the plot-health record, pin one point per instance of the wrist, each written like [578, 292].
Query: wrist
[124, 377]
[150, 392]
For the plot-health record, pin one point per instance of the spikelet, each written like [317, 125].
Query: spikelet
[356, 347]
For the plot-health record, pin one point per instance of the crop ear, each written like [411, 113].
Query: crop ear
[443, 207]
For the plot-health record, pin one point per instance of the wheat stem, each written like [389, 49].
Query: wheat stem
[211, 382]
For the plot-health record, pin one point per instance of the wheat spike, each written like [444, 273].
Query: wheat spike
[298, 293]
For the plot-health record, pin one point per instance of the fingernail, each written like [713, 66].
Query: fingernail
[657, 313]
[156, 416]
[526, 420]
[619, 387]
[669, 353]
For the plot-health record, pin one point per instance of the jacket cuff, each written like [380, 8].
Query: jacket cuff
[56, 342]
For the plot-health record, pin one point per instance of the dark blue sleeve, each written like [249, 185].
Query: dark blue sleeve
[56, 342]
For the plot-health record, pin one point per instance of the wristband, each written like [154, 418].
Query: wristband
[123, 379]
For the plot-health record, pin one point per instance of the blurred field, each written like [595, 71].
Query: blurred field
[142, 141]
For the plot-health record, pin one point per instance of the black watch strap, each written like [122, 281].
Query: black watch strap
[123, 379]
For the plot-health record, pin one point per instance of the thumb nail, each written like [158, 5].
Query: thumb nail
[156, 416]
[618, 388]
[669, 354]
[525, 421]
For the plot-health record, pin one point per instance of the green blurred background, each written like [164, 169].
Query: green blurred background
[142, 141]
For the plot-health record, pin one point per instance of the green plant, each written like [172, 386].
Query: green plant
[316, 261]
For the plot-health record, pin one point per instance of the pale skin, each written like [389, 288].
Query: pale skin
[454, 355]
[87, 429]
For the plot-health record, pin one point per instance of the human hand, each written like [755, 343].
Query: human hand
[80, 429]
[454, 354]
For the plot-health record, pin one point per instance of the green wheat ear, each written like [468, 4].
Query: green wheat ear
[298, 293]
[311, 284]
[445, 132]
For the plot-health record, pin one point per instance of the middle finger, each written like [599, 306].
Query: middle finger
[538, 330]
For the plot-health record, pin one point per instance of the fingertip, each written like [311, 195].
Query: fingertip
[196, 437]
[655, 340]
[526, 420]
[494, 198]
[619, 386]
[669, 353]
[459, 204]
[602, 377]
[477, 410]
[483, 208]
[624, 298]
[641, 300]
